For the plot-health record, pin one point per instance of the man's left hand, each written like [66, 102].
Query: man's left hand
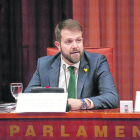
[76, 103]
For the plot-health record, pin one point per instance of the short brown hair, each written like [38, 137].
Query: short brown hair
[66, 24]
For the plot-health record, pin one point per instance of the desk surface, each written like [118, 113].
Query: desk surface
[75, 125]
[103, 113]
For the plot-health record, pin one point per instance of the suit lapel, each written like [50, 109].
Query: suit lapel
[82, 75]
[55, 69]
[54, 72]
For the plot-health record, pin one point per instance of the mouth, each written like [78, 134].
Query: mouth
[75, 52]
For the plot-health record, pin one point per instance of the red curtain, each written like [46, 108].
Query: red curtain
[10, 47]
[39, 19]
[26, 29]
[114, 23]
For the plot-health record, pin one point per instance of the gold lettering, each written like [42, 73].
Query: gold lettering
[81, 131]
[136, 131]
[30, 131]
[14, 129]
[100, 133]
[47, 129]
[119, 131]
[63, 132]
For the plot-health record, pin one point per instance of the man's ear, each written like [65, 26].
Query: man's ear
[57, 44]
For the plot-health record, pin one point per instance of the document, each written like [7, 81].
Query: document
[42, 102]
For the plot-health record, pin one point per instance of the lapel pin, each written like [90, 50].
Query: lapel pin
[85, 69]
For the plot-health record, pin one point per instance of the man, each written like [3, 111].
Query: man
[94, 85]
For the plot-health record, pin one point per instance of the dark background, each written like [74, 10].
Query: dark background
[26, 30]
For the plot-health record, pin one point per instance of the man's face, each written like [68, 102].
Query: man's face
[71, 46]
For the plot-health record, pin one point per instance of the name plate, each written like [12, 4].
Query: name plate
[126, 106]
[42, 102]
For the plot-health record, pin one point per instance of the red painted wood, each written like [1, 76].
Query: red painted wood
[104, 113]
[90, 124]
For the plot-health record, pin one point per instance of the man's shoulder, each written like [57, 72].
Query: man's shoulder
[93, 55]
[49, 58]
[94, 58]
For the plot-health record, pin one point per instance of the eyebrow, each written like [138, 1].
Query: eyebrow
[74, 38]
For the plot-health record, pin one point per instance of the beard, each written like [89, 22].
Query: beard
[74, 56]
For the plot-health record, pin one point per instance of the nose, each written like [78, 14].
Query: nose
[74, 45]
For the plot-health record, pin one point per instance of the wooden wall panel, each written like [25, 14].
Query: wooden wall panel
[136, 73]
[94, 24]
[124, 52]
[81, 14]
[110, 31]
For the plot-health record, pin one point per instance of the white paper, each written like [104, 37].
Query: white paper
[42, 102]
[126, 106]
[137, 102]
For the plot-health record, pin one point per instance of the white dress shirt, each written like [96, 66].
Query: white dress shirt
[62, 81]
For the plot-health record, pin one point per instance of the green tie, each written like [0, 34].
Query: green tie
[71, 87]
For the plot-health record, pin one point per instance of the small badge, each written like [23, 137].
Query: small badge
[85, 69]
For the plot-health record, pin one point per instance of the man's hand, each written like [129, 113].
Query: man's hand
[76, 103]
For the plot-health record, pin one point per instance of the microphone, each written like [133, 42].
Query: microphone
[68, 107]
[64, 68]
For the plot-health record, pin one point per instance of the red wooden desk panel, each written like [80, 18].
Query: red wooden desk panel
[107, 124]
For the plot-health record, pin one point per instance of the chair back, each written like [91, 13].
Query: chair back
[107, 51]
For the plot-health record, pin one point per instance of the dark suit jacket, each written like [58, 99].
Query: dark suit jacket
[96, 84]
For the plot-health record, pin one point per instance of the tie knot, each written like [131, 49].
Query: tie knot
[71, 69]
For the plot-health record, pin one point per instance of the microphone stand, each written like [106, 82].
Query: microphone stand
[68, 107]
